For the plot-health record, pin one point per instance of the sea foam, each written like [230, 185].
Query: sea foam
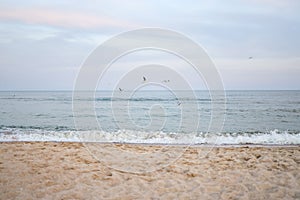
[275, 137]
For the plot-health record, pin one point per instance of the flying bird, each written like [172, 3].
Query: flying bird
[144, 78]
[120, 89]
[250, 57]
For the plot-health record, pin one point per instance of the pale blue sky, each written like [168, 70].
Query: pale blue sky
[43, 44]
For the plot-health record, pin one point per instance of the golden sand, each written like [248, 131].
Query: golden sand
[49, 170]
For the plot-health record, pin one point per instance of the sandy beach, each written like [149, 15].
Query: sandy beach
[50, 170]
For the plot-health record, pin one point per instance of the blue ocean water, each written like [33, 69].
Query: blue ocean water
[259, 117]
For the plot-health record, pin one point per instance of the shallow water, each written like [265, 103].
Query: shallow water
[258, 117]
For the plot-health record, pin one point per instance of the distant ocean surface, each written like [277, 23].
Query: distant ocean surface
[252, 117]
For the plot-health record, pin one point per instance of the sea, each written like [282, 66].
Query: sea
[152, 116]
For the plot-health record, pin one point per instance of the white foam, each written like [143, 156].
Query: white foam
[127, 136]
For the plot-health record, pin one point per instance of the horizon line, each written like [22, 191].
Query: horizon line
[63, 90]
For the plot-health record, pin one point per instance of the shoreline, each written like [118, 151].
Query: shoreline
[66, 170]
[165, 144]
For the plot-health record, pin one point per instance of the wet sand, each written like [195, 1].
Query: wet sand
[50, 170]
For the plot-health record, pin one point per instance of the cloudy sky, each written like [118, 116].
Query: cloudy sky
[44, 43]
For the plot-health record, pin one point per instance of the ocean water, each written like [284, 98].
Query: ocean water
[255, 117]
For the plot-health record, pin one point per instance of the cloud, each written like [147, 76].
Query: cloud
[39, 41]
[277, 3]
[260, 73]
[68, 19]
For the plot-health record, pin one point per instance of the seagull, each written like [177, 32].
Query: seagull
[166, 81]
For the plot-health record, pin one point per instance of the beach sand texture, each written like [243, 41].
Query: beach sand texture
[50, 170]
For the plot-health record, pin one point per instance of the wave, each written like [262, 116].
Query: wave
[274, 137]
[20, 128]
[143, 99]
[104, 99]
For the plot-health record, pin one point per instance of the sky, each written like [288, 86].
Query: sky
[44, 43]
